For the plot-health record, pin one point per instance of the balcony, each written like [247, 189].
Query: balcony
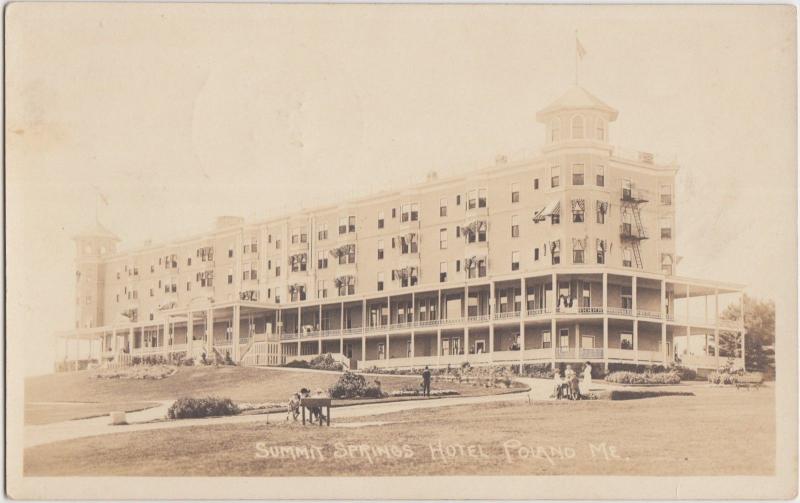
[642, 313]
[510, 315]
[619, 311]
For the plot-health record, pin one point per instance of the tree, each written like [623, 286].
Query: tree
[759, 328]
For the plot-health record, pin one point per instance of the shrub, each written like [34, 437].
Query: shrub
[325, 362]
[202, 407]
[297, 364]
[352, 385]
[727, 377]
[624, 377]
[538, 370]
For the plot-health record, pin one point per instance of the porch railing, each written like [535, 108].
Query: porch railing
[590, 353]
[643, 313]
[507, 315]
[621, 311]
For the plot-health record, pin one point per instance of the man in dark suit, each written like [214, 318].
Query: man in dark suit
[426, 382]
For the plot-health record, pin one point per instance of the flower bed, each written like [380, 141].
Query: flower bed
[136, 372]
[624, 377]
[418, 392]
[352, 385]
[726, 378]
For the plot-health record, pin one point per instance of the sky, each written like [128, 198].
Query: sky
[178, 113]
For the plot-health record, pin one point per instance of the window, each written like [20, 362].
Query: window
[626, 297]
[535, 184]
[254, 244]
[601, 251]
[626, 341]
[380, 281]
[547, 340]
[627, 188]
[351, 224]
[514, 192]
[409, 212]
[458, 266]
[577, 127]
[442, 239]
[394, 212]
[303, 239]
[578, 210]
[443, 207]
[277, 270]
[277, 245]
[230, 276]
[442, 272]
[415, 212]
[380, 249]
[626, 257]
[577, 256]
[600, 175]
[627, 228]
[472, 199]
[482, 198]
[666, 263]
[322, 259]
[536, 254]
[555, 176]
[322, 233]
[600, 133]
[380, 220]
[666, 195]
[458, 200]
[666, 227]
[563, 339]
[515, 261]
[230, 253]
[322, 290]
[298, 262]
[555, 252]
[555, 130]
[342, 225]
[577, 174]
[601, 208]
[514, 226]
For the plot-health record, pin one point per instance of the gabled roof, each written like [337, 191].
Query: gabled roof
[577, 98]
[96, 231]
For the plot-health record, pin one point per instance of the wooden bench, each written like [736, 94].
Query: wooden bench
[310, 402]
[748, 381]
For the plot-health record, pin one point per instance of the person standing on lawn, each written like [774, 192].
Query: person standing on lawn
[426, 382]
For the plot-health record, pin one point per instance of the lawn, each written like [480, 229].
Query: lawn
[241, 384]
[716, 432]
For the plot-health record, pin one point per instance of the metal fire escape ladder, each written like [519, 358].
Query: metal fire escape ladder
[632, 201]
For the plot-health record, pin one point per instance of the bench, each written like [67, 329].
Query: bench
[748, 381]
[311, 402]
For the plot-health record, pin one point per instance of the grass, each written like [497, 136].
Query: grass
[40, 413]
[717, 432]
[241, 384]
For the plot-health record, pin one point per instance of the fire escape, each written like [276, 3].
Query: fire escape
[634, 232]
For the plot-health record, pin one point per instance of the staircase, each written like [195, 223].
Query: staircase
[632, 201]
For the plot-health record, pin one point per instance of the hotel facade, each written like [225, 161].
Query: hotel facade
[569, 256]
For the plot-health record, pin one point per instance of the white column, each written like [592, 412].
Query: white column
[364, 347]
[237, 311]
[438, 345]
[189, 334]
[412, 344]
[466, 321]
[209, 329]
[741, 328]
[663, 311]
[386, 354]
[605, 343]
[578, 341]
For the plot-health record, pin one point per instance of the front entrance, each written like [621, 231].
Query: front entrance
[480, 347]
[348, 350]
[381, 351]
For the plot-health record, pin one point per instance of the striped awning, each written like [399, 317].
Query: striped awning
[553, 208]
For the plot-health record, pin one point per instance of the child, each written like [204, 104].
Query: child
[294, 407]
[558, 384]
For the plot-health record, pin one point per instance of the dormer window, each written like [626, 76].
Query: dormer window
[577, 127]
[601, 130]
[555, 130]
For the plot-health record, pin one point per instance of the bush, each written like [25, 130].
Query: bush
[326, 362]
[202, 407]
[624, 377]
[297, 364]
[539, 370]
[726, 377]
[352, 385]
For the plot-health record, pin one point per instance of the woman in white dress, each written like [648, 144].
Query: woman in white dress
[587, 377]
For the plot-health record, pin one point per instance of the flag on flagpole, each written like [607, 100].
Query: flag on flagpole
[579, 48]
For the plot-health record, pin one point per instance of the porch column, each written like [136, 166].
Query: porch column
[605, 343]
[636, 341]
[237, 314]
[413, 308]
[521, 345]
[741, 327]
[386, 354]
[716, 326]
[438, 344]
[634, 296]
[466, 322]
[319, 319]
[605, 292]
[553, 337]
[341, 317]
[114, 342]
[687, 304]
[491, 317]
[131, 339]
[189, 334]
[364, 348]
[319, 346]
[635, 313]
[665, 353]
[578, 341]
[412, 344]
[209, 329]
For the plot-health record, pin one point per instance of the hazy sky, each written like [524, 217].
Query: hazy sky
[179, 113]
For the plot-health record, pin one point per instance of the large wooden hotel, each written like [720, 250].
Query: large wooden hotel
[569, 256]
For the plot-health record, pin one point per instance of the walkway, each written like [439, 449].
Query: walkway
[140, 421]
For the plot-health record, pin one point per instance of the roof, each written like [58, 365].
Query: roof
[96, 231]
[577, 98]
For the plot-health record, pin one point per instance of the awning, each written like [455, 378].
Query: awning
[554, 208]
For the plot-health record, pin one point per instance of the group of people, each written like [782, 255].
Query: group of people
[295, 401]
[570, 386]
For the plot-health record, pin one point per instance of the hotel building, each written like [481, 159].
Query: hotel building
[568, 256]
